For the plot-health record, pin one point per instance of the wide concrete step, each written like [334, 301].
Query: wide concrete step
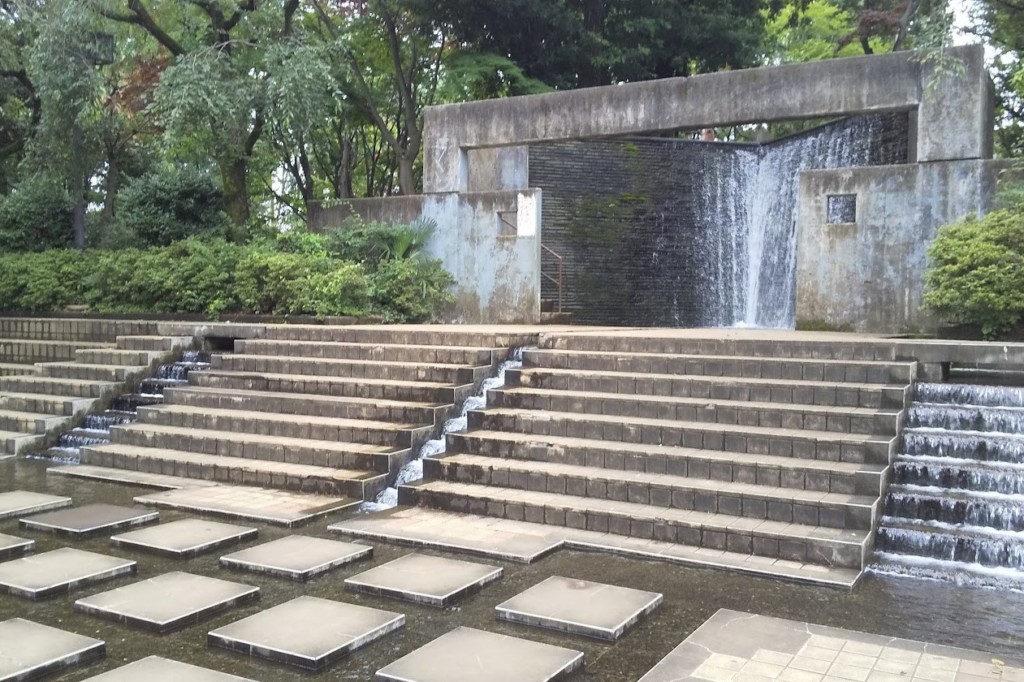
[714, 465]
[776, 539]
[91, 372]
[874, 396]
[45, 403]
[747, 500]
[77, 388]
[72, 329]
[39, 350]
[336, 455]
[415, 335]
[797, 369]
[387, 434]
[385, 352]
[771, 415]
[368, 369]
[154, 343]
[10, 369]
[397, 411]
[30, 422]
[17, 442]
[370, 389]
[117, 356]
[359, 484]
[799, 443]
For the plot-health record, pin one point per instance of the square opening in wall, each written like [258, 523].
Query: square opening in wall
[508, 225]
[842, 208]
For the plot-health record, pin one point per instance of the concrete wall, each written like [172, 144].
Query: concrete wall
[898, 81]
[868, 275]
[496, 266]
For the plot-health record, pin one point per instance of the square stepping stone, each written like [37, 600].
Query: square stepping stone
[424, 579]
[29, 650]
[184, 538]
[307, 632]
[157, 669]
[59, 571]
[12, 546]
[296, 556]
[169, 601]
[20, 502]
[579, 607]
[92, 519]
[469, 655]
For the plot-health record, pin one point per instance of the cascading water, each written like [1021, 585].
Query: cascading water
[413, 471]
[124, 408]
[955, 509]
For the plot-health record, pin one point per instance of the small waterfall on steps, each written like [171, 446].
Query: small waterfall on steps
[955, 509]
[413, 471]
[124, 408]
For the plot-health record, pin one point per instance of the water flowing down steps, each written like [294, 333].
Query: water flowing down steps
[955, 510]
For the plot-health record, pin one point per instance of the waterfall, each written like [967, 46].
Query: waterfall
[955, 509]
[413, 470]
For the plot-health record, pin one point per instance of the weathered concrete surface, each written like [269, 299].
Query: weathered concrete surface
[431, 580]
[61, 570]
[157, 669]
[868, 275]
[29, 650]
[297, 557]
[812, 90]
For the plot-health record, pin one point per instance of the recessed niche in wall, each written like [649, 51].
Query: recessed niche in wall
[842, 208]
[508, 224]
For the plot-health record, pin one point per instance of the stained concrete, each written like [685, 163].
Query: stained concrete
[29, 650]
[20, 502]
[425, 579]
[296, 557]
[168, 601]
[13, 546]
[579, 607]
[307, 632]
[60, 571]
[734, 646]
[157, 669]
[92, 519]
[470, 655]
[184, 538]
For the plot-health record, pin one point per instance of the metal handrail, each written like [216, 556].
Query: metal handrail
[561, 274]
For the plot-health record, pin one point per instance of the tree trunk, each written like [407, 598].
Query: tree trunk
[343, 186]
[406, 182]
[112, 185]
[233, 175]
[79, 182]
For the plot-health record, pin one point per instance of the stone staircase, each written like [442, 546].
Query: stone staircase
[743, 447]
[329, 410]
[52, 371]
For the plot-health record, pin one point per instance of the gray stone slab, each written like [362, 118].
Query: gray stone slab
[157, 669]
[20, 502]
[184, 538]
[425, 579]
[579, 607]
[92, 519]
[60, 571]
[12, 546]
[297, 557]
[29, 650]
[469, 655]
[168, 602]
[307, 632]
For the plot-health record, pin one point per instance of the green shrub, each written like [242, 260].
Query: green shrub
[291, 284]
[36, 216]
[375, 243]
[411, 290]
[976, 272]
[36, 282]
[172, 204]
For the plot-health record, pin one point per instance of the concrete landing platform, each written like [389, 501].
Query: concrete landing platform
[734, 646]
[92, 519]
[469, 655]
[425, 579]
[168, 601]
[307, 632]
[246, 503]
[59, 571]
[21, 502]
[296, 557]
[29, 650]
[157, 669]
[143, 479]
[579, 607]
[13, 546]
[184, 538]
